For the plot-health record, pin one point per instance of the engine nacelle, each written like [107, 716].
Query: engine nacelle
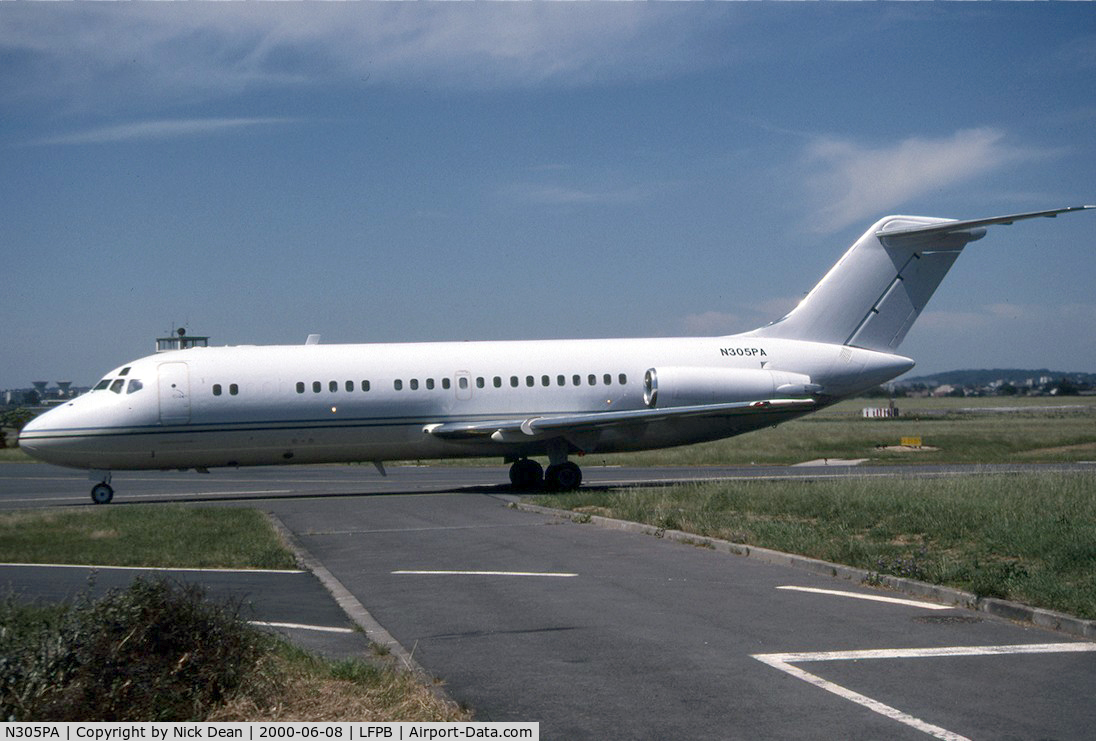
[683, 386]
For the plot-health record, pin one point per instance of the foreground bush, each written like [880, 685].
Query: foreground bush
[157, 651]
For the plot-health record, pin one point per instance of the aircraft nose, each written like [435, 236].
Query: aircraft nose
[40, 438]
[31, 436]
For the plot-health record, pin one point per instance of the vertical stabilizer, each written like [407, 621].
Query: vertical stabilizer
[879, 287]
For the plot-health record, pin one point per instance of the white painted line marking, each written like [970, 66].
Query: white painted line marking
[935, 653]
[784, 662]
[310, 533]
[870, 597]
[864, 700]
[300, 626]
[159, 495]
[151, 568]
[484, 573]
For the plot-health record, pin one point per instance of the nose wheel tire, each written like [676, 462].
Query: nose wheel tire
[102, 493]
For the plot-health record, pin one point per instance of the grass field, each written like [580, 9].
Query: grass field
[154, 535]
[1030, 537]
[977, 430]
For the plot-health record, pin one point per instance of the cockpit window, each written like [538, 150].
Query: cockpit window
[124, 371]
[102, 384]
[134, 385]
[116, 387]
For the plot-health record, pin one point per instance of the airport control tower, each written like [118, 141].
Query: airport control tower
[180, 341]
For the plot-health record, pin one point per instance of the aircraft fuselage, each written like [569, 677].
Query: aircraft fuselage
[263, 405]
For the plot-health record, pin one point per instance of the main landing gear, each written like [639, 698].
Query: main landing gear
[102, 492]
[528, 475]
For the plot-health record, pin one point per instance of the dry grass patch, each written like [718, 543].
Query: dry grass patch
[307, 689]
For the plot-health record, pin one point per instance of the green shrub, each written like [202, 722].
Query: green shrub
[156, 651]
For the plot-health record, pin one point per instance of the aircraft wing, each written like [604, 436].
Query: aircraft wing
[552, 425]
[948, 227]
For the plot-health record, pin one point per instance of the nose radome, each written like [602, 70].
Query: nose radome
[37, 438]
[28, 440]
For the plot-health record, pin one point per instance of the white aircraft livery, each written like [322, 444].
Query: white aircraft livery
[248, 406]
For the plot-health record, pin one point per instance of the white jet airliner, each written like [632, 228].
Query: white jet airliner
[248, 406]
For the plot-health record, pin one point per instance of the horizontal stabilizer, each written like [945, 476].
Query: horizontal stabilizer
[951, 227]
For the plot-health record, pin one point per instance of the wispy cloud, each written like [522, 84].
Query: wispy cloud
[557, 195]
[851, 182]
[156, 130]
[179, 52]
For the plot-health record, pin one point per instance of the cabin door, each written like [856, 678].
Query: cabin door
[174, 394]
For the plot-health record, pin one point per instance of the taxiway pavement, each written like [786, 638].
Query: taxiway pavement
[600, 633]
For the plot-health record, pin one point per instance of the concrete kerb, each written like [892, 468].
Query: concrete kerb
[355, 610]
[1048, 619]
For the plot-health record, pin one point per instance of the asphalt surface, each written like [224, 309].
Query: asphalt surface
[599, 633]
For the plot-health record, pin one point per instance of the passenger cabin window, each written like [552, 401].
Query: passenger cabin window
[233, 389]
[300, 387]
[446, 383]
[462, 382]
[332, 386]
[592, 379]
[623, 379]
[480, 383]
[317, 387]
[497, 382]
[430, 384]
[349, 385]
[365, 385]
[561, 380]
[414, 384]
[216, 389]
[398, 385]
[576, 380]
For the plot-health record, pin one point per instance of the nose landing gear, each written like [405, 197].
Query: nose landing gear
[102, 492]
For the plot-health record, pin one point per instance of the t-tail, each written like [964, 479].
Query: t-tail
[879, 287]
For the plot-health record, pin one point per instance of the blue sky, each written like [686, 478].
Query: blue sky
[389, 172]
